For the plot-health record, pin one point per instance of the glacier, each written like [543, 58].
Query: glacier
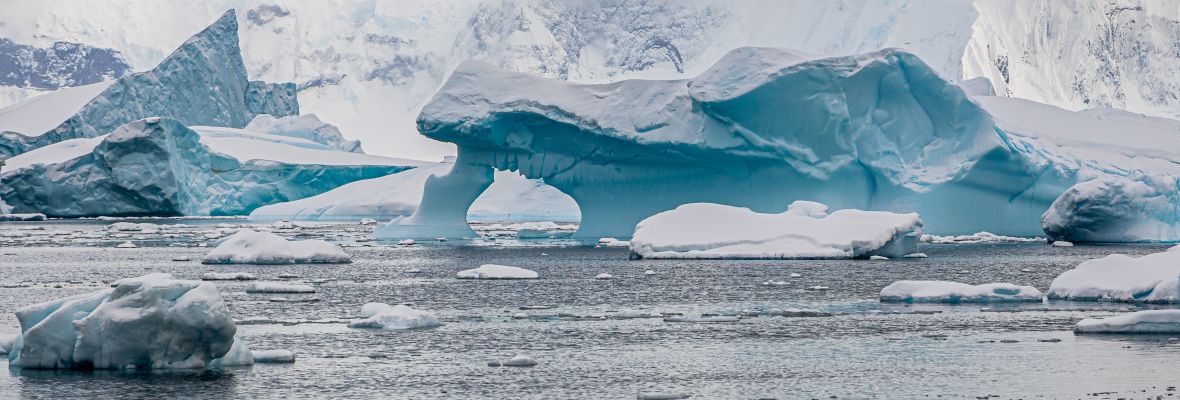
[203, 82]
[760, 129]
[510, 198]
[153, 321]
[159, 166]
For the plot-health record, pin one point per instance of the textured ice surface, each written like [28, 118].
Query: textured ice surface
[805, 230]
[253, 247]
[1117, 209]
[153, 321]
[385, 316]
[493, 271]
[876, 131]
[158, 166]
[1147, 321]
[1151, 278]
[203, 82]
[510, 198]
[955, 292]
[306, 126]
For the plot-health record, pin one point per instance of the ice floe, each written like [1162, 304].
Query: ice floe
[493, 271]
[385, 316]
[955, 292]
[1147, 321]
[278, 287]
[228, 276]
[1151, 278]
[253, 247]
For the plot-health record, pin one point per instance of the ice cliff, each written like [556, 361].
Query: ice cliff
[203, 82]
[762, 128]
[158, 166]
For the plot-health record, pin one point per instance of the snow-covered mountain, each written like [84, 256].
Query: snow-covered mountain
[369, 66]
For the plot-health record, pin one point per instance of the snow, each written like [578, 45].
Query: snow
[252, 247]
[306, 126]
[717, 231]
[278, 288]
[511, 197]
[273, 356]
[518, 360]
[1153, 278]
[245, 145]
[493, 271]
[385, 316]
[228, 276]
[153, 321]
[955, 292]
[42, 113]
[1146, 321]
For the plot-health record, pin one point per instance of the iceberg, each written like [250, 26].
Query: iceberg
[804, 231]
[955, 292]
[493, 271]
[153, 321]
[385, 316]
[1153, 278]
[510, 198]
[306, 126]
[762, 128]
[1117, 209]
[203, 82]
[1147, 321]
[158, 166]
[248, 246]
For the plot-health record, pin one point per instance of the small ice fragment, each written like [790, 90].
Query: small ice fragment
[385, 316]
[662, 396]
[440, 239]
[288, 275]
[774, 283]
[795, 275]
[915, 255]
[182, 258]
[1062, 243]
[520, 316]
[818, 288]
[368, 221]
[879, 258]
[228, 276]
[704, 320]
[493, 271]
[412, 271]
[603, 275]
[127, 245]
[277, 287]
[406, 242]
[1026, 270]
[649, 272]
[273, 356]
[519, 360]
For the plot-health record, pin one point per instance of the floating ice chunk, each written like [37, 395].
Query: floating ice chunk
[273, 356]
[915, 255]
[703, 320]
[1062, 243]
[1148, 321]
[775, 283]
[981, 237]
[795, 275]
[288, 275]
[818, 288]
[879, 258]
[252, 247]
[126, 245]
[1151, 278]
[385, 316]
[412, 271]
[702, 230]
[6, 343]
[519, 360]
[181, 258]
[603, 275]
[283, 225]
[612, 242]
[22, 217]
[493, 271]
[278, 287]
[406, 242]
[955, 292]
[662, 396]
[228, 276]
[368, 221]
[649, 272]
[520, 316]
[1139, 208]
[132, 227]
[153, 321]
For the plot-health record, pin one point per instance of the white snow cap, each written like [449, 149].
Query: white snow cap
[805, 230]
[253, 247]
[493, 271]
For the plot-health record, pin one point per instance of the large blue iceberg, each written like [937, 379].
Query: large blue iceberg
[203, 82]
[761, 129]
[158, 166]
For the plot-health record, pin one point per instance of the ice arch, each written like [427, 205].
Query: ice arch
[761, 129]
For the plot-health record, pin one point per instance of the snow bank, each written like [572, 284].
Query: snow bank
[1151, 278]
[273, 356]
[1148, 321]
[493, 271]
[278, 288]
[385, 316]
[253, 247]
[955, 292]
[703, 230]
[1117, 209]
[153, 321]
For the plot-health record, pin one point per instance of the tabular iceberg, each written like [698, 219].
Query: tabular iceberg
[253, 247]
[1153, 278]
[153, 321]
[955, 292]
[804, 231]
[158, 166]
[760, 129]
[1147, 321]
[203, 82]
